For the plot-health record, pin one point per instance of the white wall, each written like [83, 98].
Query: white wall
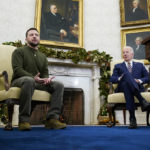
[16, 16]
[102, 26]
[101, 23]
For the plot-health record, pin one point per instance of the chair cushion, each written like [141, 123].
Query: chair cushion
[119, 97]
[38, 95]
[146, 95]
[3, 95]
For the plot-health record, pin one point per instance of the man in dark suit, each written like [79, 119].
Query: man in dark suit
[139, 49]
[56, 25]
[136, 12]
[130, 77]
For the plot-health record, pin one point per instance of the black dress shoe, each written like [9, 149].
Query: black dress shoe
[145, 105]
[133, 124]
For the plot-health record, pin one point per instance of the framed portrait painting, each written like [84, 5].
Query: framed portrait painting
[134, 12]
[134, 37]
[60, 22]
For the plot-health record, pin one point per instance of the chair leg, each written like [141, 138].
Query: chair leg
[114, 117]
[124, 115]
[10, 114]
[147, 117]
[110, 108]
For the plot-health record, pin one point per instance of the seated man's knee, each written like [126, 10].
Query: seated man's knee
[58, 85]
[29, 80]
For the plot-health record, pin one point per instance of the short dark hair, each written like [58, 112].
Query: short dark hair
[30, 30]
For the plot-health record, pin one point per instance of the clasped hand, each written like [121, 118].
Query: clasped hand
[42, 80]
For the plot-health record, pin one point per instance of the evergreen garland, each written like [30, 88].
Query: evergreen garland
[78, 55]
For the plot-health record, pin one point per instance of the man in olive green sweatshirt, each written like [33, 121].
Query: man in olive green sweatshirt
[30, 71]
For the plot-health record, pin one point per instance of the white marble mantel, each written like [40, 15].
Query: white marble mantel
[82, 75]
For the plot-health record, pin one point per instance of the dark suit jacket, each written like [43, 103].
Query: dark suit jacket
[140, 52]
[139, 14]
[56, 23]
[138, 72]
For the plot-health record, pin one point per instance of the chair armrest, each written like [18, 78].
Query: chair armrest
[4, 74]
[111, 88]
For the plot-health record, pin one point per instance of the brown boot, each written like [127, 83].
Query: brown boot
[24, 126]
[54, 124]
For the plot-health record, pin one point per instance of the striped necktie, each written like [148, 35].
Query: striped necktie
[129, 67]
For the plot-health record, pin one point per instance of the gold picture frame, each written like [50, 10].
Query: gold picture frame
[130, 17]
[70, 19]
[133, 37]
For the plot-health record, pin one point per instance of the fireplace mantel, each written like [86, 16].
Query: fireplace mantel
[82, 75]
[69, 62]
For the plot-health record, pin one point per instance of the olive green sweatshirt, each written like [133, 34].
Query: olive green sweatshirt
[28, 62]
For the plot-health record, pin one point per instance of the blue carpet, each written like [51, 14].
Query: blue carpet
[76, 138]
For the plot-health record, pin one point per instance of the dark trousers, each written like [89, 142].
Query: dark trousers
[130, 88]
[27, 85]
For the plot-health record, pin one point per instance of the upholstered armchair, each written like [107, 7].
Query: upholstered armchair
[8, 94]
[116, 101]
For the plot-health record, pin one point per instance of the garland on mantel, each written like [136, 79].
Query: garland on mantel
[79, 55]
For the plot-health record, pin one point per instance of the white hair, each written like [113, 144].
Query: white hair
[130, 48]
[139, 38]
[138, 1]
[51, 6]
